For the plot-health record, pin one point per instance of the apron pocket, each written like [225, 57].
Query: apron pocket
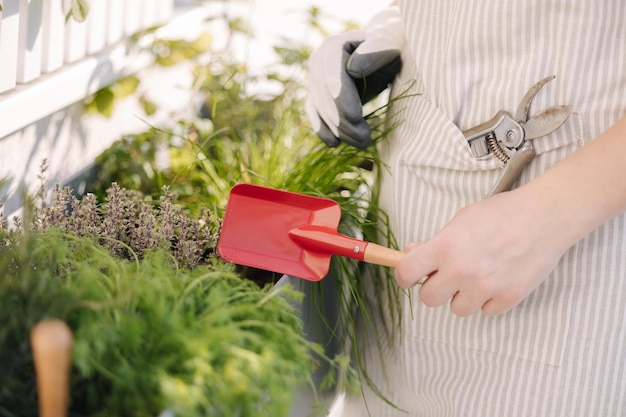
[536, 330]
[437, 170]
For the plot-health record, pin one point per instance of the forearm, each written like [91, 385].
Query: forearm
[584, 190]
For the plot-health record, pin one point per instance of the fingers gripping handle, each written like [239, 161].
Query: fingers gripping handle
[51, 342]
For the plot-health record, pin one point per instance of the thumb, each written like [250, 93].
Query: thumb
[373, 72]
[371, 56]
[419, 261]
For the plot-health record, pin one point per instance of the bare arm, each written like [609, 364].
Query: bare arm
[553, 212]
[586, 189]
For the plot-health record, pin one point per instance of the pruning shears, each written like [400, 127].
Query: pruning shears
[509, 138]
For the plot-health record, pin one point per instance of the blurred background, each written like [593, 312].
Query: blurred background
[52, 65]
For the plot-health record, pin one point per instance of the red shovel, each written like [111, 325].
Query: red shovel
[290, 233]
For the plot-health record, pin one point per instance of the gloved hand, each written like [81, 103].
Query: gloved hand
[347, 71]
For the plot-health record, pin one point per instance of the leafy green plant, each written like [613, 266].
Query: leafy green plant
[237, 137]
[149, 335]
[103, 100]
[166, 53]
[78, 10]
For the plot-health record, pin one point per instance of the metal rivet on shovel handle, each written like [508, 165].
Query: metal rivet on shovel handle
[290, 233]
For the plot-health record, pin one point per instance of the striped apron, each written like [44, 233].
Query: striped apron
[562, 351]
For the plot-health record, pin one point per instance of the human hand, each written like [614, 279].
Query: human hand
[348, 70]
[490, 256]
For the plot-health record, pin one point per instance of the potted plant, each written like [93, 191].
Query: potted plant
[135, 280]
[158, 323]
[240, 137]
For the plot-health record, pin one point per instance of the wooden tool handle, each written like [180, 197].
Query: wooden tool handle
[51, 343]
[381, 255]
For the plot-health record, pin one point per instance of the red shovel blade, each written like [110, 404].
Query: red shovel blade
[285, 232]
[290, 233]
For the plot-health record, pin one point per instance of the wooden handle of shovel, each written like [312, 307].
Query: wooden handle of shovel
[381, 255]
[51, 342]
[326, 240]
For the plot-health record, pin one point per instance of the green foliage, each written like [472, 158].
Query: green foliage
[103, 100]
[147, 337]
[166, 53]
[133, 162]
[79, 9]
[238, 136]
[169, 52]
[149, 107]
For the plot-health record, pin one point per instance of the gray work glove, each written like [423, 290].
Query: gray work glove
[347, 71]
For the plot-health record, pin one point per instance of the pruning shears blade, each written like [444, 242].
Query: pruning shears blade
[524, 105]
[546, 122]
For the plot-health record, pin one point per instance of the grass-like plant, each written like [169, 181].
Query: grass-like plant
[148, 337]
[155, 328]
[239, 137]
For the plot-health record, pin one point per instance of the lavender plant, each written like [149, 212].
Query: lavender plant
[130, 225]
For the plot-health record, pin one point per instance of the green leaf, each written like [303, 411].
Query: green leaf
[0, 7]
[80, 9]
[149, 107]
[125, 87]
[104, 100]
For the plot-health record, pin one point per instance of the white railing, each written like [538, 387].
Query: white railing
[48, 62]
[49, 65]
[37, 39]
